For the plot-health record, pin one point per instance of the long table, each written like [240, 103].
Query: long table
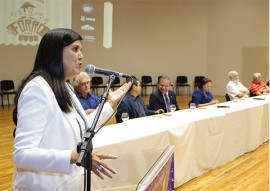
[204, 138]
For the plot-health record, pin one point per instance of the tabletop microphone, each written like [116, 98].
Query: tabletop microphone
[91, 69]
[223, 106]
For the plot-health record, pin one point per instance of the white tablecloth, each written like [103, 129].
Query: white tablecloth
[203, 138]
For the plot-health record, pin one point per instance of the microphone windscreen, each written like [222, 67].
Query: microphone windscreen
[90, 69]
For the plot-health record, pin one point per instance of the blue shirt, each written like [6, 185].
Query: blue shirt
[198, 97]
[91, 102]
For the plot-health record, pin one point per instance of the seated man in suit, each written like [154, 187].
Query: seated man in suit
[257, 86]
[88, 100]
[163, 97]
[234, 88]
[133, 104]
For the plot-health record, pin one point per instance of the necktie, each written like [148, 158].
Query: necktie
[167, 103]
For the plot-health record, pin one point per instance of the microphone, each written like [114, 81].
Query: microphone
[91, 69]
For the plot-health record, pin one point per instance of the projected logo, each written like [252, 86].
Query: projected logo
[87, 8]
[27, 24]
[88, 23]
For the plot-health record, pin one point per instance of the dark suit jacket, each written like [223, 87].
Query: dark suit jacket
[156, 100]
[128, 105]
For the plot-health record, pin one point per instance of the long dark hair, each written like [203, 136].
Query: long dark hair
[49, 65]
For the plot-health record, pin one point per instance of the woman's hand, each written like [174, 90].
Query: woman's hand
[99, 167]
[115, 96]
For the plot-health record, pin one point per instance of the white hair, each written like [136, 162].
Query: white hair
[232, 74]
[76, 79]
[256, 75]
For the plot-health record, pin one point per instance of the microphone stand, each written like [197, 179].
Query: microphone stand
[85, 148]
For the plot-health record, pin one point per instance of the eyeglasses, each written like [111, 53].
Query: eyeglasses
[85, 83]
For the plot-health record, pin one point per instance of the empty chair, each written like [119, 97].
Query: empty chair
[96, 83]
[158, 78]
[227, 97]
[147, 82]
[7, 88]
[182, 81]
[197, 81]
[128, 79]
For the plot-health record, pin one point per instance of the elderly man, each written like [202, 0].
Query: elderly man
[234, 88]
[163, 97]
[133, 104]
[88, 100]
[257, 86]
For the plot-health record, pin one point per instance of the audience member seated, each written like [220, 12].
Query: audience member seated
[133, 104]
[163, 97]
[235, 89]
[257, 86]
[82, 88]
[202, 96]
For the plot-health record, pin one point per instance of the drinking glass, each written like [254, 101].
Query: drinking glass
[173, 107]
[124, 118]
[192, 106]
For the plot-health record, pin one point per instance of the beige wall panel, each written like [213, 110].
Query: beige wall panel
[164, 38]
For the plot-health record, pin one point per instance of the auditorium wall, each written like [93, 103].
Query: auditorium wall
[170, 38]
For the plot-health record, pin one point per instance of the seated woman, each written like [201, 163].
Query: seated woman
[202, 96]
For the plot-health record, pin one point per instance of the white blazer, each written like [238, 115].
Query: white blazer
[45, 138]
